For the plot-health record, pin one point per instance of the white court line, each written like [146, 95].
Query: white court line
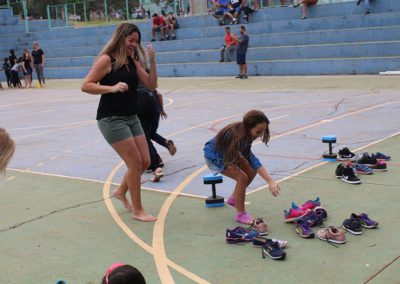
[102, 182]
[171, 101]
[54, 125]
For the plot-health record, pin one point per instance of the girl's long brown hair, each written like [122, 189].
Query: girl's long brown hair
[233, 137]
[7, 148]
[117, 49]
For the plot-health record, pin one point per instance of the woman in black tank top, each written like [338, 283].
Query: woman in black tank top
[115, 76]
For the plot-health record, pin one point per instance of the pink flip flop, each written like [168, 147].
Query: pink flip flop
[231, 201]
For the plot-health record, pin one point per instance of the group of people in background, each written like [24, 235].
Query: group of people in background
[17, 67]
[231, 9]
[164, 25]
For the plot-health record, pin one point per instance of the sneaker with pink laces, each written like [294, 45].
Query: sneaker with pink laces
[260, 226]
[244, 218]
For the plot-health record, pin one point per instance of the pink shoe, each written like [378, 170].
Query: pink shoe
[294, 214]
[231, 201]
[244, 218]
[311, 204]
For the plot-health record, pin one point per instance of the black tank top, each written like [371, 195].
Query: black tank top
[121, 103]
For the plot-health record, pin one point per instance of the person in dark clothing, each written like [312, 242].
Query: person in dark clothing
[17, 67]
[27, 61]
[38, 63]
[12, 58]
[151, 109]
[7, 71]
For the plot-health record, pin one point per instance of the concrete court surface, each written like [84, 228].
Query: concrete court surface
[62, 224]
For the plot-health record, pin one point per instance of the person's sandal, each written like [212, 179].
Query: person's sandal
[171, 147]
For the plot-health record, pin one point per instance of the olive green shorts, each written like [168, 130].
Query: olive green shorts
[118, 128]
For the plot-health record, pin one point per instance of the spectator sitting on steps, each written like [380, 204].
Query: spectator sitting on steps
[366, 5]
[305, 3]
[220, 11]
[172, 24]
[233, 11]
[158, 26]
[228, 49]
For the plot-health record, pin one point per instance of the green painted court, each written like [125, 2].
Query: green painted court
[58, 221]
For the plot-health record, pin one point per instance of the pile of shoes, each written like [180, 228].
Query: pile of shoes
[353, 225]
[311, 213]
[308, 215]
[269, 247]
[362, 163]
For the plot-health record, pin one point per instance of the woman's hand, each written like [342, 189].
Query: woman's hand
[163, 115]
[274, 188]
[151, 52]
[120, 87]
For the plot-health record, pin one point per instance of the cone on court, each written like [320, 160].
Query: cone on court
[38, 85]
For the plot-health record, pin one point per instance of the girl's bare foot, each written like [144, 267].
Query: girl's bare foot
[143, 216]
[123, 199]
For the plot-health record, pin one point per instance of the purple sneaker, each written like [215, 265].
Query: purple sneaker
[380, 156]
[313, 218]
[365, 221]
[303, 228]
[239, 235]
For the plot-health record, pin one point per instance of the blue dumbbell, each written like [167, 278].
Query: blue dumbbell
[214, 200]
[329, 156]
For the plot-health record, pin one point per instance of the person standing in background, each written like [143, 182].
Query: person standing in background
[241, 51]
[38, 63]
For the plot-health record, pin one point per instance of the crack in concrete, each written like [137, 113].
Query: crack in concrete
[49, 214]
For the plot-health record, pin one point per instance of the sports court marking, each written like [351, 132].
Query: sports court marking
[159, 254]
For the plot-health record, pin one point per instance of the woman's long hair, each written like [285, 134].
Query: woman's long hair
[116, 46]
[7, 148]
[233, 137]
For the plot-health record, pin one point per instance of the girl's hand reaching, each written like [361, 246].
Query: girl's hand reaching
[274, 188]
[120, 87]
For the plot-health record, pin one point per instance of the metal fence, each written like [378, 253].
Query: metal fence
[102, 12]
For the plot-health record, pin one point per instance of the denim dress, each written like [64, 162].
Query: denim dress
[215, 158]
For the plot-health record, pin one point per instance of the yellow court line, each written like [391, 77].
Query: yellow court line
[161, 260]
[160, 257]
[114, 214]
[137, 240]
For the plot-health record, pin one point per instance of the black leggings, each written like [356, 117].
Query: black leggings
[150, 125]
[15, 79]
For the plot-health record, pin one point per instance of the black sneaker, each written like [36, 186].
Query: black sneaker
[339, 171]
[273, 250]
[366, 159]
[379, 167]
[349, 176]
[153, 40]
[353, 225]
[345, 154]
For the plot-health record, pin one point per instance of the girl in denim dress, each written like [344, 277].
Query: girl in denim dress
[229, 153]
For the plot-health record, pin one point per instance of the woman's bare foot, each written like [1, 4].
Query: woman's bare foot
[123, 199]
[143, 216]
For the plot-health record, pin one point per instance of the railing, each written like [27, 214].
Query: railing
[102, 12]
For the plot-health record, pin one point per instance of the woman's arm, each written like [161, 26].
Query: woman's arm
[100, 68]
[149, 81]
